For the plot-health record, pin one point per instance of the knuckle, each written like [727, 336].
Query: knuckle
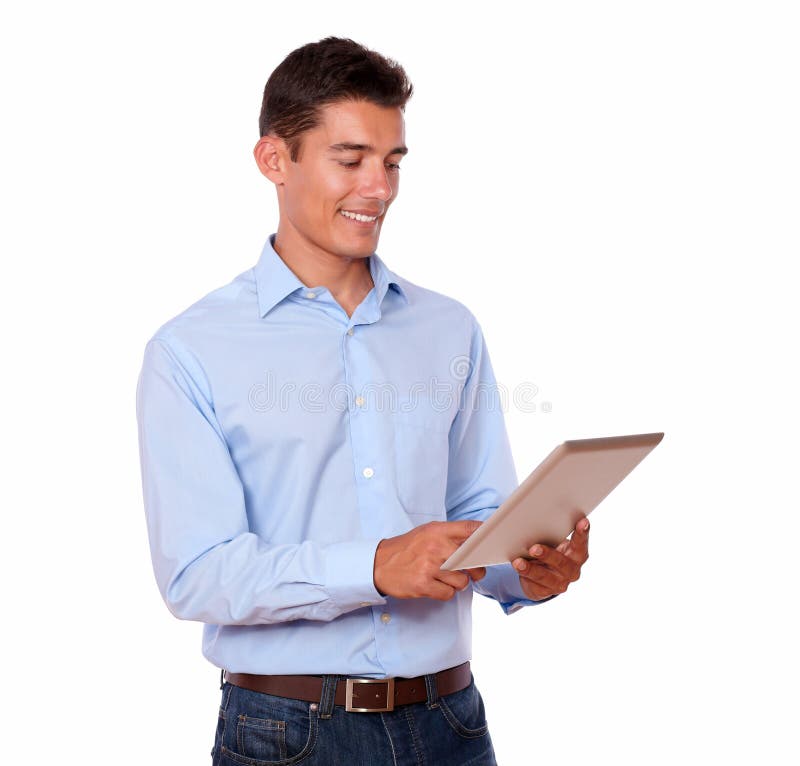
[425, 529]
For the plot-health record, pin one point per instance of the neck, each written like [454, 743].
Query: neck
[348, 278]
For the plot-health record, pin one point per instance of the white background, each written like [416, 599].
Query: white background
[611, 187]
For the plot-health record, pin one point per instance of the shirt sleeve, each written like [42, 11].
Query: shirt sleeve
[481, 472]
[208, 565]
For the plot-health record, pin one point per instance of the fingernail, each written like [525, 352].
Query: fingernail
[536, 550]
[520, 565]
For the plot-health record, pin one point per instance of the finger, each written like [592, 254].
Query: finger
[578, 549]
[476, 573]
[559, 562]
[460, 530]
[440, 591]
[541, 576]
[456, 580]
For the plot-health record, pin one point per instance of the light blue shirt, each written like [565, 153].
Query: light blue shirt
[281, 440]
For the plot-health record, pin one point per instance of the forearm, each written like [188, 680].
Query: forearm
[246, 581]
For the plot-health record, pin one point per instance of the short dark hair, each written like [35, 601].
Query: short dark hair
[317, 74]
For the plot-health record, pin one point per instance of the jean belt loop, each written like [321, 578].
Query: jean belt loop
[328, 696]
[226, 694]
[433, 692]
[222, 678]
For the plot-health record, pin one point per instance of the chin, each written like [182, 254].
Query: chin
[357, 247]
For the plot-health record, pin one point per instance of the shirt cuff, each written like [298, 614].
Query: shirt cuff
[502, 584]
[349, 574]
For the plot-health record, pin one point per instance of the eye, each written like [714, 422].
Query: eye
[391, 165]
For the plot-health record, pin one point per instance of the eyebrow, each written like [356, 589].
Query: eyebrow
[345, 147]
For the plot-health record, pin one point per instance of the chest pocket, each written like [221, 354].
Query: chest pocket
[421, 456]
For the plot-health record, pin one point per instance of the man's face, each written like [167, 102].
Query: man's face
[348, 163]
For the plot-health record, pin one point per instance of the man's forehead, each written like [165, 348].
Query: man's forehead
[361, 126]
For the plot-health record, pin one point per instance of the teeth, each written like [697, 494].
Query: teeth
[358, 216]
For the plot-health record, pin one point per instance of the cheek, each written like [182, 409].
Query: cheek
[311, 202]
[339, 187]
[328, 192]
[319, 189]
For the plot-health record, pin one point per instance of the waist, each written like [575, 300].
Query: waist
[358, 694]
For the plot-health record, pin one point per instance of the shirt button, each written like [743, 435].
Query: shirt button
[368, 473]
[350, 331]
[360, 401]
[311, 295]
[385, 617]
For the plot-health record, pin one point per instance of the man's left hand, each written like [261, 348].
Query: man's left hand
[551, 570]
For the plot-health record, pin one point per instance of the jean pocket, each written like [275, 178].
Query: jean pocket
[261, 738]
[421, 441]
[465, 712]
[268, 732]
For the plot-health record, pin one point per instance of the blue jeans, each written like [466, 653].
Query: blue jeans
[256, 729]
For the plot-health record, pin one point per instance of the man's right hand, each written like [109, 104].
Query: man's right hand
[408, 566]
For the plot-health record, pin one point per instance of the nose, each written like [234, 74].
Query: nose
[377, 185]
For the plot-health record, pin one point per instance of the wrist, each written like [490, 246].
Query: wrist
[377, 561]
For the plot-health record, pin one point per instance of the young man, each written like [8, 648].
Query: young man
[315, 441]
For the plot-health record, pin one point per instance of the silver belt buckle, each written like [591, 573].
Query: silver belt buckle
[351, 682]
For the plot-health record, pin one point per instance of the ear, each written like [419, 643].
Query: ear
[271, 155]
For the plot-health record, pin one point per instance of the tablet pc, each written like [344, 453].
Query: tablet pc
[568, 484]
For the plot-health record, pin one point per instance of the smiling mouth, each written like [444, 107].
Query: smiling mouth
[358, 216]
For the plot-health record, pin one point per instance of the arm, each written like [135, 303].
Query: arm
[481, 472]
[208, 565]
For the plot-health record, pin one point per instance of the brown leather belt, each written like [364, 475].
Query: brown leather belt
[357, 695]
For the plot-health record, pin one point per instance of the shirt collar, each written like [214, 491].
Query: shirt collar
[275, 280]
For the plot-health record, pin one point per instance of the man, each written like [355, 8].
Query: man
[316, 440]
